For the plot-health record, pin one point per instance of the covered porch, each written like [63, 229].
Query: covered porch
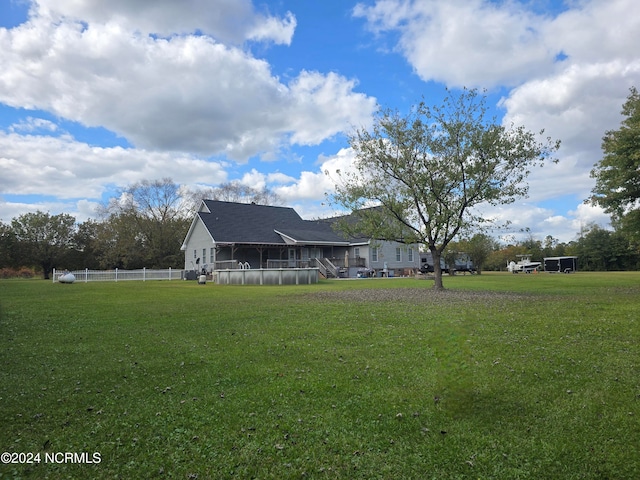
[254, 256]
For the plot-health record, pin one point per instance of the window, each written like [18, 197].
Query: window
[398, 254]
[195, 253]
[374, 254]
[204, 255]
[356, 252]
[212, 255]
[410, 255]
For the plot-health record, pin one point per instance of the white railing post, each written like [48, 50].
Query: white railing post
[144, 274]
[53, 278]
[86, 275]
[116, 274]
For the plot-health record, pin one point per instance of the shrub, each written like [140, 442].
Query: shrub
[22, 272]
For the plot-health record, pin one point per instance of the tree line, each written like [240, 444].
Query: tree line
[131, 238]
[597, 249]
[144, 225]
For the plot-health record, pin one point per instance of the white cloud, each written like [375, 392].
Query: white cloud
[65, 168]
[527, 220]
[567, 228]
[180, 93]
[319, 98]
[274, 29]
[254, 179]
[577, 105]
[85, 210]
[479, 43]
[31, 124]
[596, 31]
[259, 180]
[11, 210]
[587, 214]
[82, 210]
[313, 185]
[231, 21]
[280, 178]
[454, 41]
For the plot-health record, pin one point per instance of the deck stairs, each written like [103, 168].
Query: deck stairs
[327, 268]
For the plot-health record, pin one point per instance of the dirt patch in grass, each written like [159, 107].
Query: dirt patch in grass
[415, 296]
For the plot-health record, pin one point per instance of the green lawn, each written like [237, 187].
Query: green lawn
[502, 376]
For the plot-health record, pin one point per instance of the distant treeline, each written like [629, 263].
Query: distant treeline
[145, 225]
[142, 226]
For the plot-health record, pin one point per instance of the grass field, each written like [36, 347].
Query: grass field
[501, 376]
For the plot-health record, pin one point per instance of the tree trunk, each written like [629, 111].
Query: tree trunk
[47, 268]
[437, 270]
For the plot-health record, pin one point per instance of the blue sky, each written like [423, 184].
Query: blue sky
[97, 95]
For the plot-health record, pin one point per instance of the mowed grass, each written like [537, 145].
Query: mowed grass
[503, 376]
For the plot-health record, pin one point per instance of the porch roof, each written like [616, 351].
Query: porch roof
[315, 237]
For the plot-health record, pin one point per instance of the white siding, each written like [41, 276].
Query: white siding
[198, 240]
[387, 254]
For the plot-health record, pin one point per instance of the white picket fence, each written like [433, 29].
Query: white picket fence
[118, 275]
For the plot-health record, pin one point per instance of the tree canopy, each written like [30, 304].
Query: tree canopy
[144, 226]
[428, 170]
[44, 239]
[617, 174]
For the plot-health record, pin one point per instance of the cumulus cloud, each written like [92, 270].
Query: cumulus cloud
[180, 93]
[67, 169]
[233, 21]
[567, 228]
[529, 220]
[307, 191]
[578, 103]
[576, 98]
[577, 106]
[453, 42]
[316, 184]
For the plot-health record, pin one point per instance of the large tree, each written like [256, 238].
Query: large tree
[617, 174]
[428, 170]
[145, 225]
[7, 246]
[479, 247]
[600, 249]
[44, 239]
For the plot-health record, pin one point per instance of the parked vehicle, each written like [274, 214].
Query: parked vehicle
[561, 264]
[525, 265]
[462, 264]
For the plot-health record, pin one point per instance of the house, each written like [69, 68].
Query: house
[228, 235]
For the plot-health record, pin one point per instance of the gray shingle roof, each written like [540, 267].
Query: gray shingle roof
[230, 222]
